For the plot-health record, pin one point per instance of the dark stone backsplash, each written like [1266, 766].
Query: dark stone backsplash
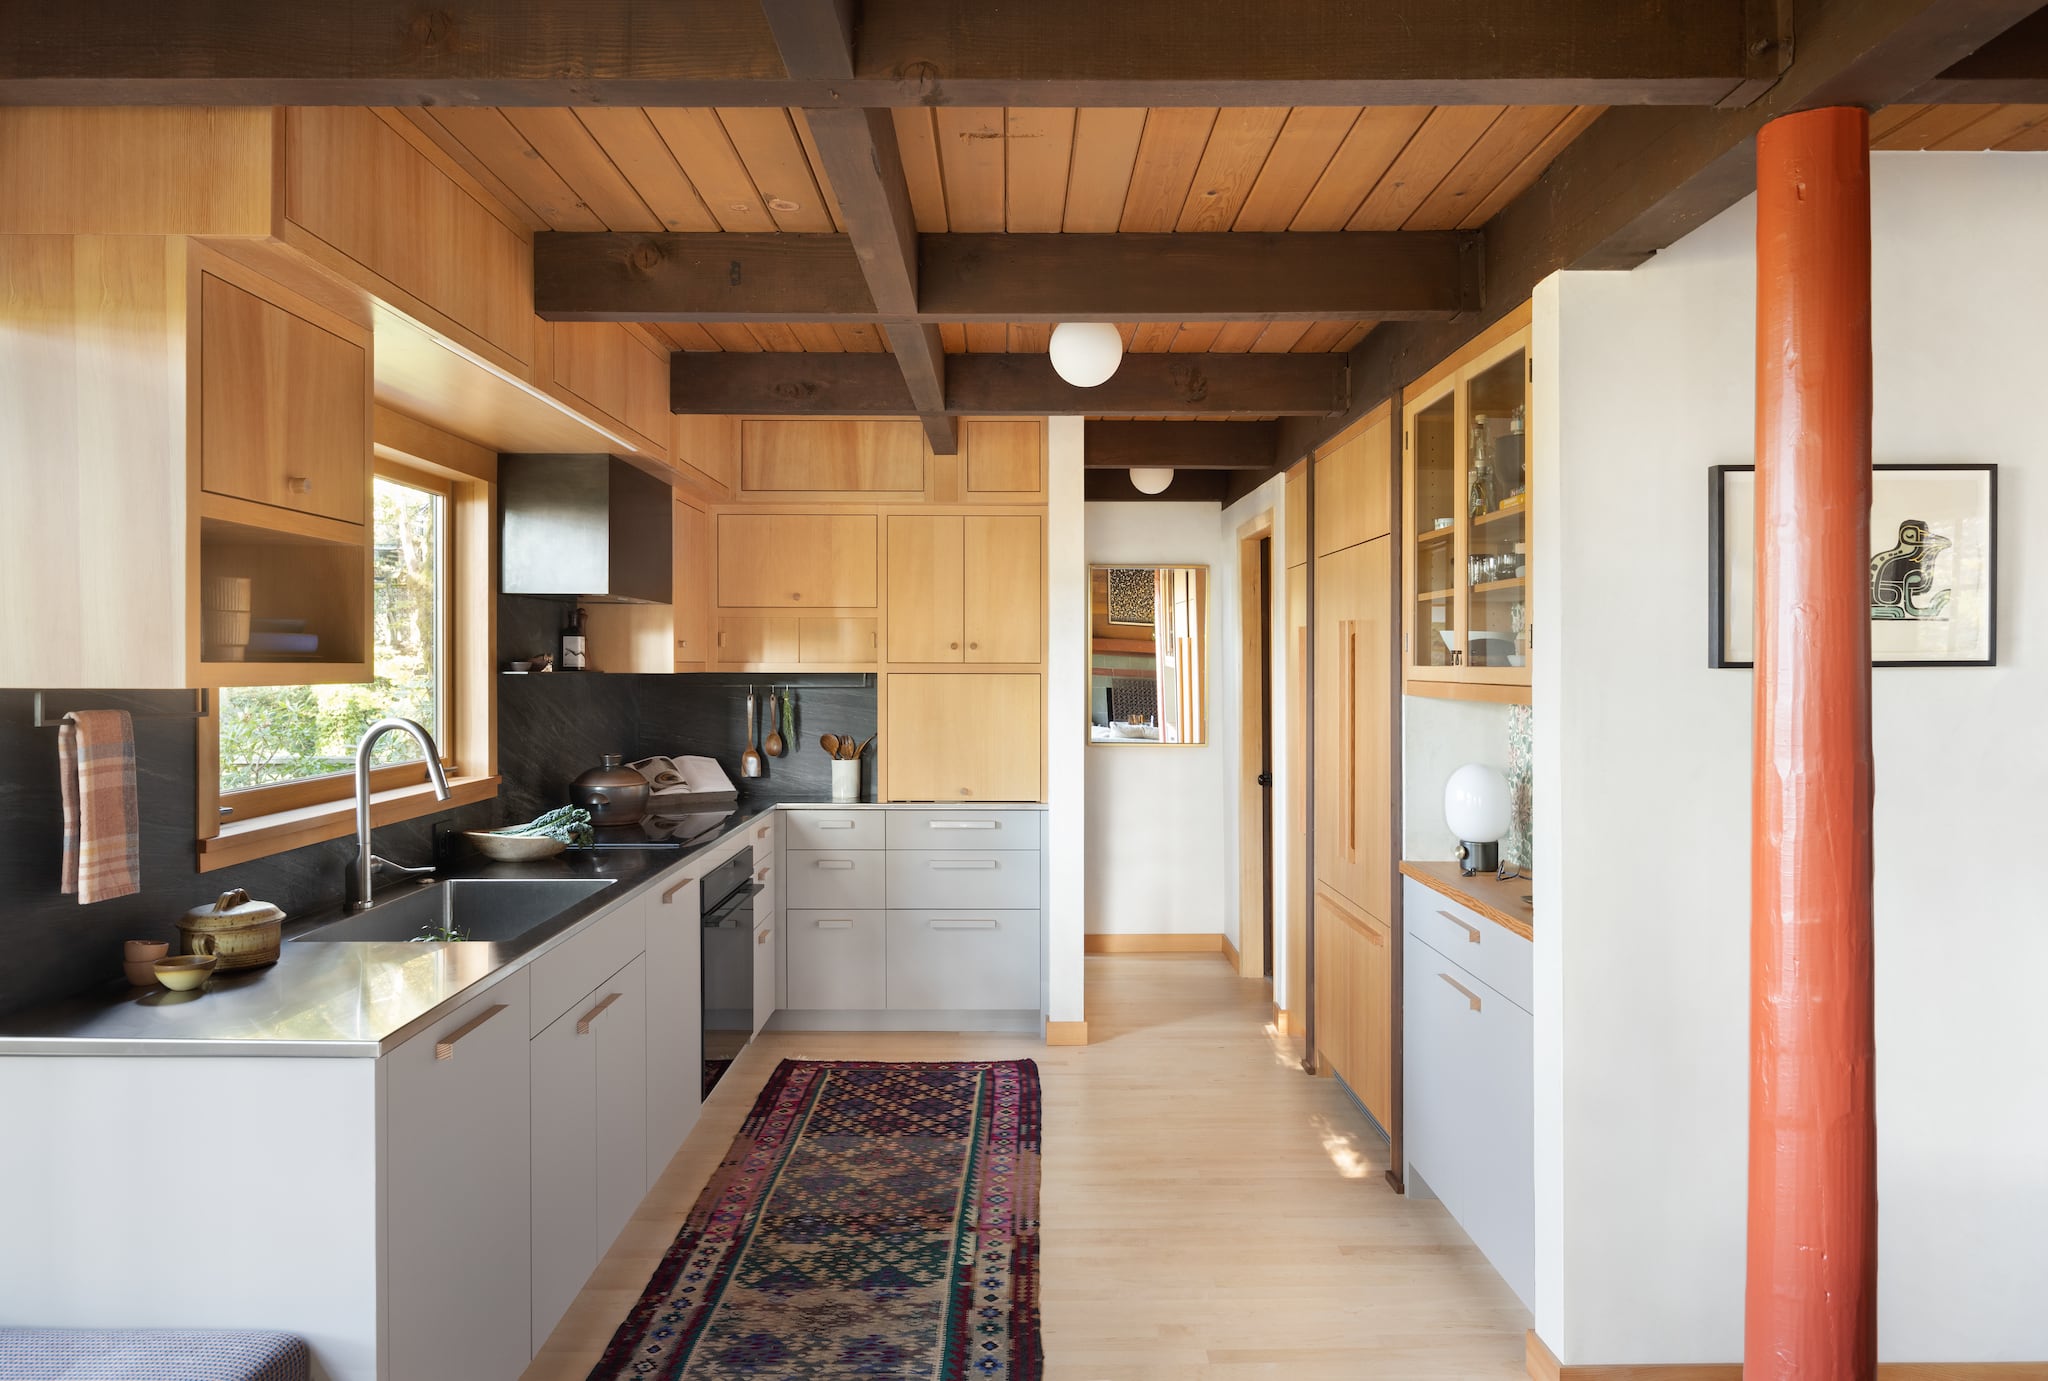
[550, 729]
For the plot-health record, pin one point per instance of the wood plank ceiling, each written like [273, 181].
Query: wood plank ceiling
[1027, 170]
[1960, 128]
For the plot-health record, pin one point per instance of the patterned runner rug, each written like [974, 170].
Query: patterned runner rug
[871, 1220]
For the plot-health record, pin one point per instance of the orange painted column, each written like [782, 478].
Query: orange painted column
[1811, 1306]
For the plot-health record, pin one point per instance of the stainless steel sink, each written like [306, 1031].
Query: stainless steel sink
[493, 909]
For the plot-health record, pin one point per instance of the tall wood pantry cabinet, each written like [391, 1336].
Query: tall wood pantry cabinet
[1354, 725]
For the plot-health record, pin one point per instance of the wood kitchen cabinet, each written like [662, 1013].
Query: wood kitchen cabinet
[1354, 499]
[1354, 714]
[963, 736]
[797, 560]
[675, 1035]
[1467, 450]
[690, 584]
[197, 420]
[966, 588]
[614, 371]
[1355, 1002]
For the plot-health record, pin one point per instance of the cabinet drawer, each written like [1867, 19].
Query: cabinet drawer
[958, 877]
[827, 641]
[1497, 955]
[977, 830]
[834, 877]
[563, 975]
[963, 959]
[834, 829]
[752, 640]
[1468, 1108]
[837, 960]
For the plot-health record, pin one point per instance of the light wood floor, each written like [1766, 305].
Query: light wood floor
[1208, 1211]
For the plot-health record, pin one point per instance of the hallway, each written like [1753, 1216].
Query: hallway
[1207, 1211]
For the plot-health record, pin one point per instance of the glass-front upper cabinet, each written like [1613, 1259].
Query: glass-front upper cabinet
[1467, 448]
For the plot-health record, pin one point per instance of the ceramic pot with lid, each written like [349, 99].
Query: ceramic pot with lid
[238, 932]
[613, 794]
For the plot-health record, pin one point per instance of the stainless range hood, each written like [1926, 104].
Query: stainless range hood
[591, 526]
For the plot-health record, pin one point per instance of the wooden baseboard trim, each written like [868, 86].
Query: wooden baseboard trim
[1066, 1033]
[1279, 1019]
[1197, 943]
[1544, 1366]
[1230, 955]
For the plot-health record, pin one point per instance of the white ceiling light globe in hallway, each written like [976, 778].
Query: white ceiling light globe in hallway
[1085, 353]
[1151, 479]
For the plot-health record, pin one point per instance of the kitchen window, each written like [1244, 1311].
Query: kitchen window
[277, 767]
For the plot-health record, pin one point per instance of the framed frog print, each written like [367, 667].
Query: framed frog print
[1933, 566]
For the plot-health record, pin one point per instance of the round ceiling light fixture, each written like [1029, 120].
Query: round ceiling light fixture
[1151, 479]
[1085, 353]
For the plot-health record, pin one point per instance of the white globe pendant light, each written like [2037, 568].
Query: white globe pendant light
[1085, 353]
[1151, 479]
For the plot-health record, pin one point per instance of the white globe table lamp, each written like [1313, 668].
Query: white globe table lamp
[1478, 808]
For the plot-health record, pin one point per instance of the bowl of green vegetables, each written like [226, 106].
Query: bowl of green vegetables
[536, 839]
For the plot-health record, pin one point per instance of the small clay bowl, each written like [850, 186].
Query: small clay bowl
[144, 951]
[141, 972]
[183, 972]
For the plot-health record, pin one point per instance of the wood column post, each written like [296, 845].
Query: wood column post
[1811, 1305]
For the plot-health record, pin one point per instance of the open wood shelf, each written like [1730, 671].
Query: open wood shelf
[1493, 587]
[1501, 515]
[1431, 596]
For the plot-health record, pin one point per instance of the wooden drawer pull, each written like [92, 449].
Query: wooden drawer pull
[761, 875]
[987, 923]
[761, 833]
[761, 935]
[1471, 931]
[833, 925]
[955, 865]
[1373, 935]
[445, 1050]
[583, 1022]
[962, 824]
[1470, 996]
[669, 896]
[833, 824]
[833, 863]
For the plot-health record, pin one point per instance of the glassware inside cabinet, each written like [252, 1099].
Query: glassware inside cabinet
[1439, 500]
[1497, 511]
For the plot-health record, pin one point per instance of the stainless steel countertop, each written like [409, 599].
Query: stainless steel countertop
[351, 998]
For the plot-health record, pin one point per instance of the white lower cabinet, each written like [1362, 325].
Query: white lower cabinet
[589, 1137]
[961, 959]
[1468, 1080]
[765, 966]
[675, 1030]
[457, 1160]
[837, 960]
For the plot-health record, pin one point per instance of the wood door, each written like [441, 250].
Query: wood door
[1354, 499]
[458, 1235]
[1370, 1038]
[1005, 589]
[1002, 459]
[284, 407]
[926, 587]
[617, 1021]
[564, 1155]
[691, 597]
[1354, 725]
[836, 642]
[794, 455]
[1432, 491]
[1333, 987]
[755, 640]
[964, 736]
[796, 560]
[590, 362]
[1300, 885]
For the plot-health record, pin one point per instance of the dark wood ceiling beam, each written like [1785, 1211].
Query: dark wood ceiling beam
[1009, 385]
[864, 275]
[2011, 69]
[1197, 486]
[1179, 445]
[858, 154]
[908, 52]
[1640, 179]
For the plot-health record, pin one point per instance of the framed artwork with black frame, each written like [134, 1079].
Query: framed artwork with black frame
[1933, 566]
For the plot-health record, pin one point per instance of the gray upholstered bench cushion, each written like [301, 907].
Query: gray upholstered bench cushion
[151, 1354]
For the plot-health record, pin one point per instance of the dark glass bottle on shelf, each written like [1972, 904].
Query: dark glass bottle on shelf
[574, 648]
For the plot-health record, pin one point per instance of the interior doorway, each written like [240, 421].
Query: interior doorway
[1255, 748]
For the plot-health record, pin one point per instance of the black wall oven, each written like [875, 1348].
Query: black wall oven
[727, 894]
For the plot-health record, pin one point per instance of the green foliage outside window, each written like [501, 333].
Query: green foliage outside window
[272, 734]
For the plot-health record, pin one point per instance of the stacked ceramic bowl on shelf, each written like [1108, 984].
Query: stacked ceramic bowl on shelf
[224, 618]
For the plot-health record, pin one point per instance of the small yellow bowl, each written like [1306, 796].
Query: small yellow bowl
[183, 972]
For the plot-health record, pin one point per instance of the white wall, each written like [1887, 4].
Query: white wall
[1642, 779]
[1156, 835]
[1066, 728]
[1228, 698]
[1437, 738]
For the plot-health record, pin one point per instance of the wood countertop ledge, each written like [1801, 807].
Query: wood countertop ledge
[1500, 902]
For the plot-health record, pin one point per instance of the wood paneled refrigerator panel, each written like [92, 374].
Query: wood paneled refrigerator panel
[1355, 1002]
[1353, 496]
[1354, 714]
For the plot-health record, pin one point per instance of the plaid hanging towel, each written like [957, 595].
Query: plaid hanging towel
[96, 765]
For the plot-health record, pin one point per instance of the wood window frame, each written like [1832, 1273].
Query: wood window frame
[289, 815]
